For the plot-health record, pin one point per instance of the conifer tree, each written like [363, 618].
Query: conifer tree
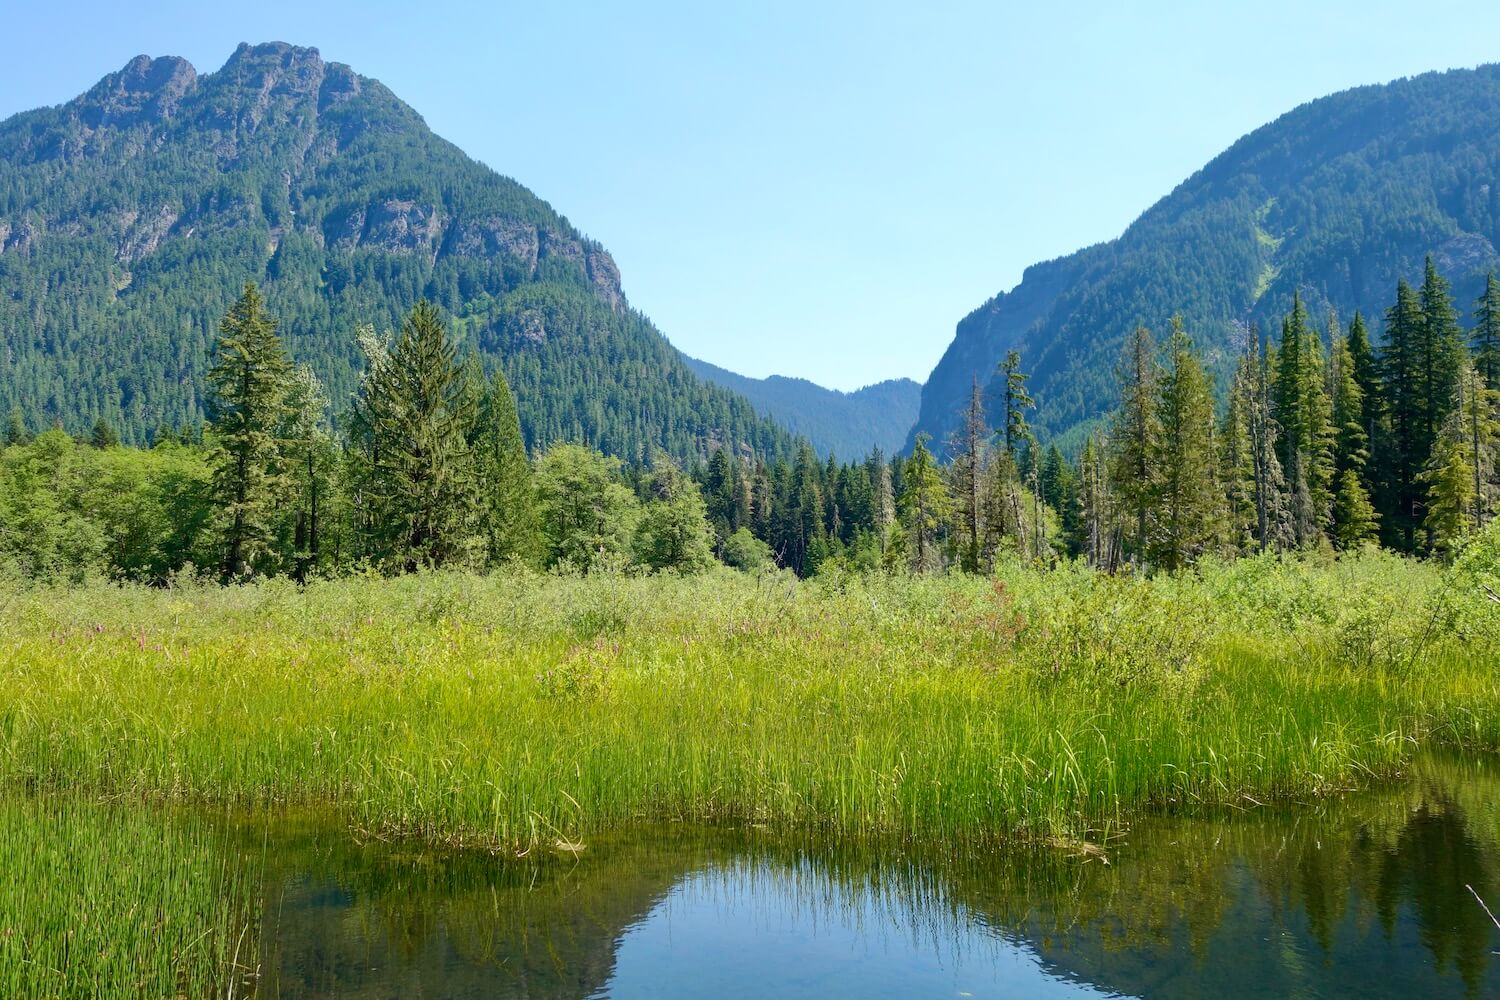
[248, 385]
[1354, 517]
[719, 484]
[883, 501]
[1236, 459]
[507, 497]
[1017, 402]
[1188, 500]
[1486, 335]
[1134, 436]
[968, 474]
[1365, 370]
[1096, 534]
[310, 467]
[1406, 448]
[103, 435]
[1303, 411]
[924, 505]
[1442, 350]
[417, 412]
[1459, 476]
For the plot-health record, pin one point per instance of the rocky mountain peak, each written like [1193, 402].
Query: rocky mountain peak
[146, 89]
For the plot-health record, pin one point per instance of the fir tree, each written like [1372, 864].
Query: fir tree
[1405, 447]
[1442, 350]
[1459, 475]
[1017, 402]
[1303, 411]
[248, 384]
[1095, 522]
[103, 435]
[883, 497]
[310, 460]
[1135, 436]
[507, 499]
[924, 505]
[1354, 517]
[968, 474]
[417, 412]
[1188, 501]
[1486, 334]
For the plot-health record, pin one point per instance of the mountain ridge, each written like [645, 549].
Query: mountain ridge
[845, 424]
[145, 202]
[1333, 200]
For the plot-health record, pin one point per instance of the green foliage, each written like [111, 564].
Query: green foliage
[69, 512]
[744, 551]
[1135, 434]
[673, 532]
[507, 502]
[588, 516]
[1189, 502]
[923, 508]
[337, 200]
[527, 707]
[249, 382]
[1337, 200]
[419, 481]
[120, 901]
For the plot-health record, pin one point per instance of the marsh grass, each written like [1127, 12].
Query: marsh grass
[112, 900]
[519, 710]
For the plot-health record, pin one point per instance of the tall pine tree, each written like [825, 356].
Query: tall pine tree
[248, 386]
[416, 415]
[1135, 436]
[1188, 501]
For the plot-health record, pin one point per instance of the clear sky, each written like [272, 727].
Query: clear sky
[806, 188]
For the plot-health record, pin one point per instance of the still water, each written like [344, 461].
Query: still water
[1365, 896]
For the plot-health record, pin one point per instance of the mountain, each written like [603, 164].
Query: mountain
[1336, 199]
[130, 217]
[845, 424]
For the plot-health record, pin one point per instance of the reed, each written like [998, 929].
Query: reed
[103, 900]
[518, 710]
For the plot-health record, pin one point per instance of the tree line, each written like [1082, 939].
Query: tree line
[1322, 441]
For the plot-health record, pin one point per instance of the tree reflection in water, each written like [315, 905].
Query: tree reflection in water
[1360, 896]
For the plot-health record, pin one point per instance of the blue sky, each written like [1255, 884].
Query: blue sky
[814, 189]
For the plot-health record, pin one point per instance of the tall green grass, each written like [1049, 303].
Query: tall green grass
[517, 710]
[102, 900]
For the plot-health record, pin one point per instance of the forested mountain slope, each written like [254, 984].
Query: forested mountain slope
[845, 424]
[1337, 199]
[131, 216]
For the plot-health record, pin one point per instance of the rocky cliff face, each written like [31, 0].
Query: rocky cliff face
[308, 111]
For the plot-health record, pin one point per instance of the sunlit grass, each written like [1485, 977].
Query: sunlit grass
[520, 710]
[118, 901]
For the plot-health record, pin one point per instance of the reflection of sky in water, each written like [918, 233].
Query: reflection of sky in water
[746, 930]
[1364, 896]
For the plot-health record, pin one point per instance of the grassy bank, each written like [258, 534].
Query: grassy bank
[111, 900]
[524, 709]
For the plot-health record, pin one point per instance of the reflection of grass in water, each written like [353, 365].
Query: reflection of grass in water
[1330, 875]
[112, 900]
[517, 710]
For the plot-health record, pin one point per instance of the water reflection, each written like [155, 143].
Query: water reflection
[1365, 896]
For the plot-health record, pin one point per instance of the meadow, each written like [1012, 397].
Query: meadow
[518, 710]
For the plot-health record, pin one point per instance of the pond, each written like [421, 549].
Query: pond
[1372, 894]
